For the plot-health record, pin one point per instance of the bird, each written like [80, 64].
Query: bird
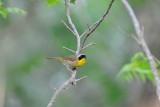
[71, 61]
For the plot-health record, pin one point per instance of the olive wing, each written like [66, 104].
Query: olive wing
[70, 58]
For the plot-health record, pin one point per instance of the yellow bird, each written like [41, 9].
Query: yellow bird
[72, 61]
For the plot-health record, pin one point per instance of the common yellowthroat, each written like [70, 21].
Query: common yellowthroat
[72, 61]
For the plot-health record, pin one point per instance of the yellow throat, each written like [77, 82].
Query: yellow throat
[80, 62]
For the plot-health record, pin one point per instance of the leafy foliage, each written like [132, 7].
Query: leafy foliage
[51, 2]
[72, 1]
[138, 68]
[5, 10]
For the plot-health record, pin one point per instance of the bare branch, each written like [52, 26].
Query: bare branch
[89, 28]
[133, 17]
[63, 86]
[143, 45]
[135, 37]
[69, 49]
[69, 18]
[73, 27]
[68, 27]
[88, 45]
[81, 78]
[93, 27]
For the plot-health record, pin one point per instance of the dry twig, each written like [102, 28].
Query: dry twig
[69, 49]
[92, 28]
[88, 45]
[63, 86]
[68, 27]
[140, 38]
[80, 47]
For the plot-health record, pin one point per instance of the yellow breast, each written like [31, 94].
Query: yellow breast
[80, 62]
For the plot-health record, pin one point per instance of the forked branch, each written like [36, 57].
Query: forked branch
[73, 29]
[93, 27]
[88, 32]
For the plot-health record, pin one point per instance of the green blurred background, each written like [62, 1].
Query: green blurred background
[27, 78]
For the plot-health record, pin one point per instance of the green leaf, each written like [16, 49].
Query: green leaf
[4, 11]
[72, 1]
[51, 2]
[15, 10]
[138, 68]
[123, 75]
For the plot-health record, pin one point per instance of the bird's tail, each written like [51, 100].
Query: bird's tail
[56, 58]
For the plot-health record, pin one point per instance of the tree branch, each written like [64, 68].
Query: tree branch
[69, 49]
[71, 81]
[93, 27]
[81, 78]
[143, 45]
[63, 86]
[68, 27]
[73, 27]
[88, 45]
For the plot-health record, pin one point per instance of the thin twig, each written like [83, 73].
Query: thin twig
[96, 24]
[89, 28]
[156, 60]
[68, 27]
[133, 36]
[143, 45]
[69, 49]
[88, 45]
[81, 78]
